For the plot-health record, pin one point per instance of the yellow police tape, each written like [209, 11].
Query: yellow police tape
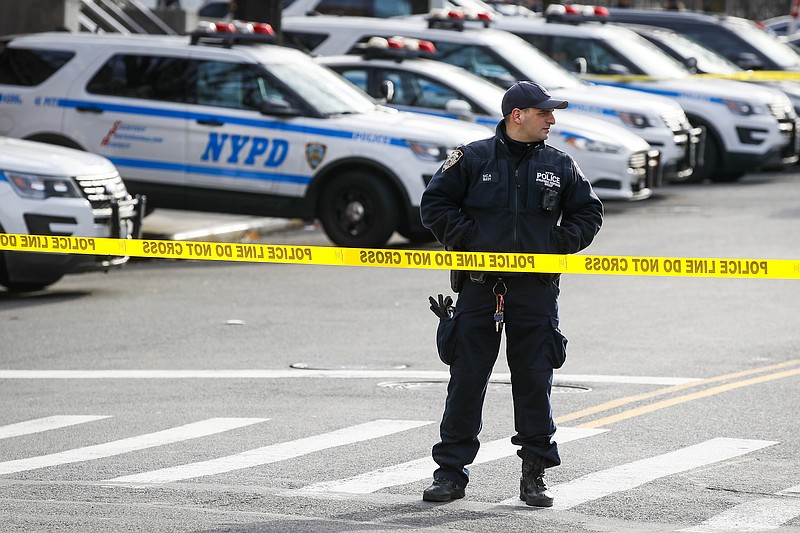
[705, 267]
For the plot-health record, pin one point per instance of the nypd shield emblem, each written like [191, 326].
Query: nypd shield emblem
[315, 153]
[452, 159]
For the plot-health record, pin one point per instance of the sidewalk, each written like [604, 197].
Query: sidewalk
[168, 224]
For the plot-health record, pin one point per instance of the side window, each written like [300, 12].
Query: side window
[414, 90]
[722, 42]
[19, 66]
[234, 85]
[435, 94]
[542, 42]
[406, 92]
[599, 60]
[478, 60]
[141, 76]
[356, 76]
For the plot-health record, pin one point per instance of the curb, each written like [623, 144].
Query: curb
[166, 224]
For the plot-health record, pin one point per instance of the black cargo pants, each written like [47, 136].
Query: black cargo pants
[534, 347]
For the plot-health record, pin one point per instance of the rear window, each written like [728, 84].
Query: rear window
[141, 76]
[29, 67]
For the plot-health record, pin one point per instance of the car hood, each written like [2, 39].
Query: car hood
[575, 124]
[46, 159]
[389, 126]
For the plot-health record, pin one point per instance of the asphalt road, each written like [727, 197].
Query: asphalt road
[189, 396]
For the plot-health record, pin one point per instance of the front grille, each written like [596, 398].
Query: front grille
[101, 189]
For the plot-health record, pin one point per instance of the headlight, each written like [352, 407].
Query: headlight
[740, 107]
[582, 143]
[38, 187]
[635, 120]
[428, 151]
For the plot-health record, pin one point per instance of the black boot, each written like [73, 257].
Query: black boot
[532, 488]
[443, 490]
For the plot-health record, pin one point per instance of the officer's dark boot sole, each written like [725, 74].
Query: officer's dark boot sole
[441, 497]
[442, 491]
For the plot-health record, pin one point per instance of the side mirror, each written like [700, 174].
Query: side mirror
[387, 90]
[617, 69]
[278, 108]
[691, 64]
[460, 108]
[748, 61]
[580, 65]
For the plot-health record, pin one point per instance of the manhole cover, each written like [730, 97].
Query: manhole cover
[493, 385]
[312, 366]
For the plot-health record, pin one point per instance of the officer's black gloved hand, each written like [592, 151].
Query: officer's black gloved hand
[443, 308]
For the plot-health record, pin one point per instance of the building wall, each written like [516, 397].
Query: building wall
[28, 16]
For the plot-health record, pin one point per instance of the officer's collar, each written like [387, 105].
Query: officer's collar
[505, 140]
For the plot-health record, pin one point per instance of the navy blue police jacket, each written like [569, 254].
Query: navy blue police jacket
[479, 200]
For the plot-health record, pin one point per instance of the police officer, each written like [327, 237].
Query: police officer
[508, 193]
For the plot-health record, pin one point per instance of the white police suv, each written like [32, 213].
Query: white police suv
[223, 122]
[48, 192]
[619, 164]
[504, 58]
[747, 126]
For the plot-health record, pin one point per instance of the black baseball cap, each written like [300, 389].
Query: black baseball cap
[525, 94]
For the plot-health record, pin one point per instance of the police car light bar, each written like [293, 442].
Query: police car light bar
[576, 13]
[454, 19]
[397, 48]
[235, 32]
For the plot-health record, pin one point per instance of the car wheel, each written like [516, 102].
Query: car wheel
[358, 210]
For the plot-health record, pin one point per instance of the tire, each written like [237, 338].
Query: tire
[25, 287]
[358, 210]
[14, 286]
[726, 177]
[422, 236]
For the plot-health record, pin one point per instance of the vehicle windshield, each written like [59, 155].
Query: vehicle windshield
[322, 89]
[536, 66]
[768, 44]
[648, 57]
[707, 60]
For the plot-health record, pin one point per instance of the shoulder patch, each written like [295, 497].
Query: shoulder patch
[452, 159]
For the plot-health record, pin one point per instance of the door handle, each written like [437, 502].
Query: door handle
[88, 109]
[210, 122]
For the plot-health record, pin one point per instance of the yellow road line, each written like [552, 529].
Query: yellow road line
[687, 398]
[669, 390]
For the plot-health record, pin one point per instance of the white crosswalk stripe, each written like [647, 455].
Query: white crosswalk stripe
[44, 424]
[763, 514]
[423, 468]
[631, 475]
[275, 452]
[141, 442]
[758, 514]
